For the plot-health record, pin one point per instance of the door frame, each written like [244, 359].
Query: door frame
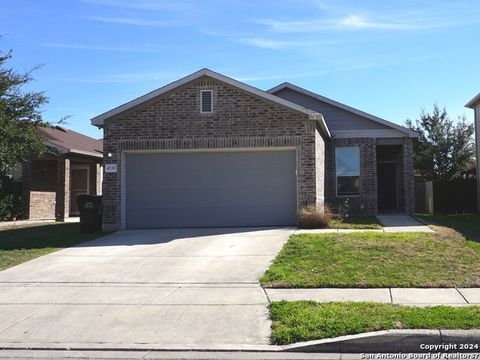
[123, 168]
[79, 167]
[397, 203]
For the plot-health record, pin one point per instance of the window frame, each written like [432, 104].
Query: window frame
[201, 101]
[359, 172]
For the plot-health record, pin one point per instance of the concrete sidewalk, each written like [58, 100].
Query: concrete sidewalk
[12, 224]
[402, 223]
[395, 223]
[9, 225]
[400, 296]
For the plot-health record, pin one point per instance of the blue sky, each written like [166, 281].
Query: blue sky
[389, 58]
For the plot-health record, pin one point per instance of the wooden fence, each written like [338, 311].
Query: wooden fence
[447, 196]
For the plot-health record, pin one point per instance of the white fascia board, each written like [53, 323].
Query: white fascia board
[374, 134]
[99, 120]
[323, 125]
[57, 147]
[361, 113]
[65, 150]
[89, 153]
[472, 104]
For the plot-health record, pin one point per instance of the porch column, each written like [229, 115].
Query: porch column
[98, 179]
[408, 177]
[62, 203]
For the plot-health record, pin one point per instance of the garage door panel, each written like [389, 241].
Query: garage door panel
[238, 197]
[170, 217]
[172, 198]
[208, 189]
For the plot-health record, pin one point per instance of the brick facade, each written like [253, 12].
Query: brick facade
[408, 177]
[46, 186]
[39, 181]
[320, 168]
[366, 202]
[477, 147]
[62, 207]
[239, 120]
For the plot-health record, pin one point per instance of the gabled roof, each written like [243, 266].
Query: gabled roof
[303, 91]
[100, 119]
[69, 141]
[472, 104]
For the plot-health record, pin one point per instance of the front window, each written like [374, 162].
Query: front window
[347, 160]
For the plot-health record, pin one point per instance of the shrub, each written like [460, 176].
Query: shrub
[341, 210]
[311, 217]
[11, 204]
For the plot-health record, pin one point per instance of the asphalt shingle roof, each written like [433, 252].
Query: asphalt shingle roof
[71, 141]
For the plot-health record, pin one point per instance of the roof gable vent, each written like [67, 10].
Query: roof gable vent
[206, 101]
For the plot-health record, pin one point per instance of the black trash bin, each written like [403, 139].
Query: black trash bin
[90, 207]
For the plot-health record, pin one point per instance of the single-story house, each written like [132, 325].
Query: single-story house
[208, 150]
[475, 105]
[52, 183]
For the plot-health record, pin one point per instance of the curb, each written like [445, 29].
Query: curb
[393, 341]
[386, 341]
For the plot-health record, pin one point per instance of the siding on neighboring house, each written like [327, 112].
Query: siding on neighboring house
[239, 120]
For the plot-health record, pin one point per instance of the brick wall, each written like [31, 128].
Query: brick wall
[40, 185]
[320, 169]
[408, 177]
[98, 179]
[477, 146]
[366, 202]
[46, 186]
[239, 120]
[368, 176]
[62, 203]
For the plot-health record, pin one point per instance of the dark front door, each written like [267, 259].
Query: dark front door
[387, 186]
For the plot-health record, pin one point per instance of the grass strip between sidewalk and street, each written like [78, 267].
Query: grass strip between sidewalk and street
[308, 320]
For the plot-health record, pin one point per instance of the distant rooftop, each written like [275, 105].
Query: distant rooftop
[66, 140]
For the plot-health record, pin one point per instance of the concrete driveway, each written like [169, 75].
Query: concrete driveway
[169, 288]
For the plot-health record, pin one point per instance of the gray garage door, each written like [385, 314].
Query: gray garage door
[210, 189]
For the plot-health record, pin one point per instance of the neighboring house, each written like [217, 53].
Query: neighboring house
[52, 183]
[208, 150]
[475, 105]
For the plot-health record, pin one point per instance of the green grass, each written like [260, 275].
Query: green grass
[375, 260]
[468, 224]
[356, 222]
[22, 244]
[307, 320]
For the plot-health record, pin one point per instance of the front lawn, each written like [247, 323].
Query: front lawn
[468, 224]
[375, 260]
[21, 244]
[307, 320]
[356, 222]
